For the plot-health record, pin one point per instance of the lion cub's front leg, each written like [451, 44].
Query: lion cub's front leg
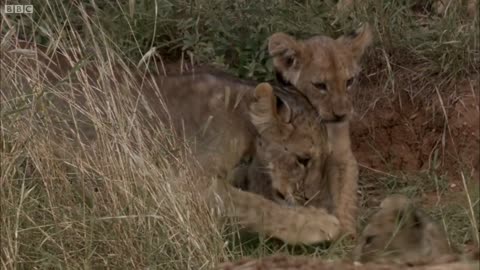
[342, 175]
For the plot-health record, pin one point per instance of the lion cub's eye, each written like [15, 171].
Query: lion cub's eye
[320, 86]
[289, 61]
[350, 82]
[303, 160]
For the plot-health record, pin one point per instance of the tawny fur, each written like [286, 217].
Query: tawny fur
[402, 233]
[325, 70]
[273, 135]
[293, 225]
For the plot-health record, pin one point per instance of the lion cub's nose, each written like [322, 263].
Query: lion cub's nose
[339, 117]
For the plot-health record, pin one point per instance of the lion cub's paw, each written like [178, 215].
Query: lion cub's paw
[319, 227]
[263, 90]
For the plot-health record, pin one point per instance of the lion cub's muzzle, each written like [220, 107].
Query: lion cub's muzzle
[335, 119]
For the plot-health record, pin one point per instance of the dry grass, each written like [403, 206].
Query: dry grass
[84, 183]
[90, 180]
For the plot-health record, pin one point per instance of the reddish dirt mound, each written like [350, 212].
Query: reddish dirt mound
[408, 134]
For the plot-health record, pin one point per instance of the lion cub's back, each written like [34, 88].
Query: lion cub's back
[209, 109]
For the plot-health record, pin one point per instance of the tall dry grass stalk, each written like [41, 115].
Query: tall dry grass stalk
[89, 179]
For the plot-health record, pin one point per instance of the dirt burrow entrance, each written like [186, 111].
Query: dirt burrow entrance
[440, 130]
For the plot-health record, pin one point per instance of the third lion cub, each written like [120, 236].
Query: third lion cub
[402, 233]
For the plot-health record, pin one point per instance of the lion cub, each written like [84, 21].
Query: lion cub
[228, 121]
[401, 233]
[325, 71]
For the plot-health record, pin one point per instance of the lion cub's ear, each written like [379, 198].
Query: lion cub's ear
[358, 41]
[286, 52]
[269, 114]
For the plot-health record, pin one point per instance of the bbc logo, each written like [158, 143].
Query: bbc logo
[18, 9]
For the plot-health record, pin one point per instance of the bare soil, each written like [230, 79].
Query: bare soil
[439, 131]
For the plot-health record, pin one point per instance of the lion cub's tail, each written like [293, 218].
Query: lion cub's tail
[293, 225]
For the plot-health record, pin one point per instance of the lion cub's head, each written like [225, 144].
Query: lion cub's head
[401, 233]
[291, 144]
[324, 69]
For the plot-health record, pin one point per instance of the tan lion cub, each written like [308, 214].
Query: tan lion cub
[402, 233]
[234, 120]
[325, 70]
[229, 120]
